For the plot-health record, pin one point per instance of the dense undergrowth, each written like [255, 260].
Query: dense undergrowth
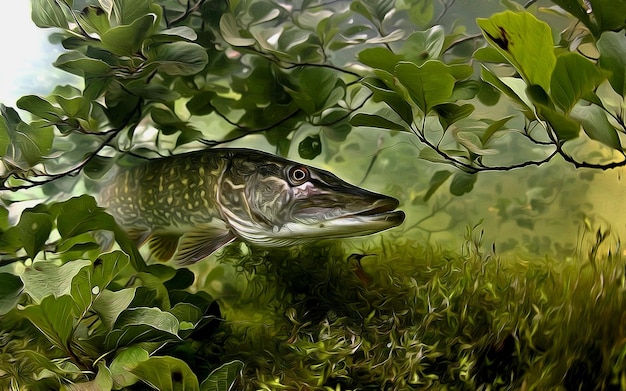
[397, 317]
[409, 317]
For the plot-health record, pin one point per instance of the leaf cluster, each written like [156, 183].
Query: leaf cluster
[94, 319]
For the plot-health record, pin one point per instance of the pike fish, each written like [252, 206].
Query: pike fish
[188, 206]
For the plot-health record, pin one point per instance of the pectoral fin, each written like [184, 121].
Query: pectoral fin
[163, 245]
[199, 244]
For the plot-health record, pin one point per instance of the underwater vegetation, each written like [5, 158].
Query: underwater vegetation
[409, 317]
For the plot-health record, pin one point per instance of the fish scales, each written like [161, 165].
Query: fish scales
[177, 191]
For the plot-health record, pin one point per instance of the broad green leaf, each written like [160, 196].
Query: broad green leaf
[78, 64]
[48, 13]
[313, 88]
[143, 324]
[564, 127]
[422, 46]
[40, 107]
[431, 156]
[167, 373]
[126, 40]
[489, 54]
[94, 20]
[612, 48]
[574, 76]
[53, 317]
[11, 288]
[449, 113]
[520, 98]
[525, 41]
[81, 214]
[465, 90]
[493, 127]
[603, 15]
[77, 106]
[44, 279]
[109, 305]
[596, 125]
[224, 377]
[102, 382]
[310, 147]
[34, 229]
[374, 121]
[121, 366]
[421, 12]
[127, 11]
[380, 58]
[383, 94]
[429, 85]
[231, 33]
[462, 183]
[438, 179]
[178, 58]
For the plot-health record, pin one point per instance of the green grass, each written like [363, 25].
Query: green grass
[419, 318]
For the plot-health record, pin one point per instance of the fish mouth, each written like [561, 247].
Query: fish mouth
[381, 211]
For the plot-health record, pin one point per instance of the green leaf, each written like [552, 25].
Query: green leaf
[127, 11]
[224, 377]
[109, 305]
[94, 20]
[44, 279]
[231, 33]
[123, 363]
[81, 65]
[34, 229]
[102, 382]
[525, 42]
[143, 324]
[374, 121]
[126, 40]
[40, 107]
[573, 77]
[310, 147]
[313, 88]
[422, 46]
[564, 127]
[596, 125]
[391, 98]
[489, 54]
[438, 179]
[493, 127]
[53, 317]
[11, 288]
[47, 13]
[449, 113]
[428, 85]
[499, 84]
[81, 214]
[612, 48]
[167, 373]
[178, 58]
[380, 58]
[462, 183]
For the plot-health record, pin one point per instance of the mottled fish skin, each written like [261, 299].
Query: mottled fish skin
[188, 206]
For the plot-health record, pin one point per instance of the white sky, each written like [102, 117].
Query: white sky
[27, 56]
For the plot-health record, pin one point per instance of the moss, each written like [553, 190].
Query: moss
[409, 317]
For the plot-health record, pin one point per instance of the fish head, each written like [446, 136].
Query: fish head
[269, 201]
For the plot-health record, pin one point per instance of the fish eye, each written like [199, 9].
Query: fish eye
[297, 175]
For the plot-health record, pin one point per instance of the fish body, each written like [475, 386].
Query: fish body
[188, 206]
